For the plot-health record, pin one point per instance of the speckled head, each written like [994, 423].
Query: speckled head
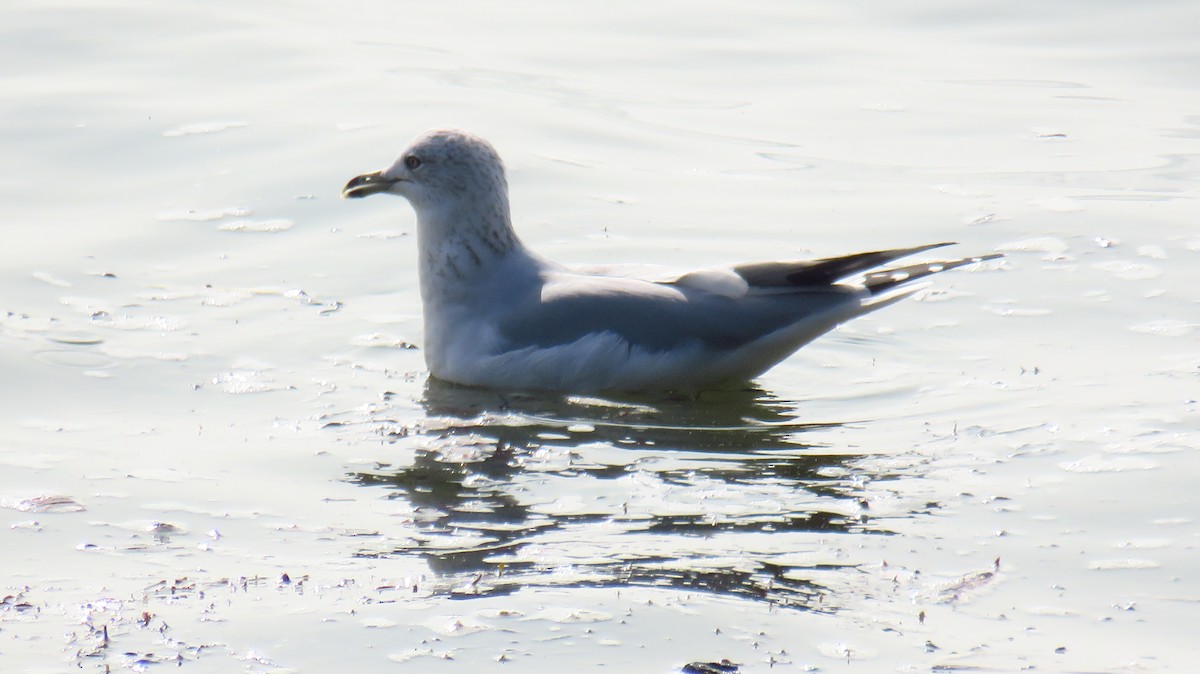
[455, 183]
[437, 169]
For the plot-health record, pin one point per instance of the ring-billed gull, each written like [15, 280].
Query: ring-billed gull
[498, 315]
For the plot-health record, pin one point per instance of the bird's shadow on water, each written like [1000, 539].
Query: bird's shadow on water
[516, 490]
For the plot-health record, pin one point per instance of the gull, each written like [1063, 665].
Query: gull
[498, 315]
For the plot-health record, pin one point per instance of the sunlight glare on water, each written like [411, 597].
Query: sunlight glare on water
[222, 451]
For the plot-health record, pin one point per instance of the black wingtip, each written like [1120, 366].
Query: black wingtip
[882, 281]
[830, 270]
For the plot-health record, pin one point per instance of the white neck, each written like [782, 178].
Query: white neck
[457, 240]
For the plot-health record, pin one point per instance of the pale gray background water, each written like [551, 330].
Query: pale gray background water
[206, 385]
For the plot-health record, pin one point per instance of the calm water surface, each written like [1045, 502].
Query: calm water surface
[221, 451]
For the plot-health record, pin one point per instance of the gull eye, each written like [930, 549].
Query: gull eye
[413, 162]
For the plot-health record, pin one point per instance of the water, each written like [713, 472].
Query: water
[209, 379]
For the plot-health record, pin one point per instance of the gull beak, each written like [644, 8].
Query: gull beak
[367, 184]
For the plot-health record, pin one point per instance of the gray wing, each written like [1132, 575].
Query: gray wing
[653, 320]
[717, 308]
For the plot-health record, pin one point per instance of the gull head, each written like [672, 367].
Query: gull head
[439, 168]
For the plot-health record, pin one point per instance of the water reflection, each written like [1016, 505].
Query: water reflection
[705, 493]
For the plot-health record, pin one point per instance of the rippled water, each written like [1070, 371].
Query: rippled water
[221, 451]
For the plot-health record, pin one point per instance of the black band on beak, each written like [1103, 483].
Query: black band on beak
[367, 184]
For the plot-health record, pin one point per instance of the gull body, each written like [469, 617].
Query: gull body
[498, 315]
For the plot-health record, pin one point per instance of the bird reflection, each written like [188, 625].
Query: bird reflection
[631, 491]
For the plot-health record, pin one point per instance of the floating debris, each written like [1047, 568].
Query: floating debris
[722, 667]
[46, 504]
[968, 585]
